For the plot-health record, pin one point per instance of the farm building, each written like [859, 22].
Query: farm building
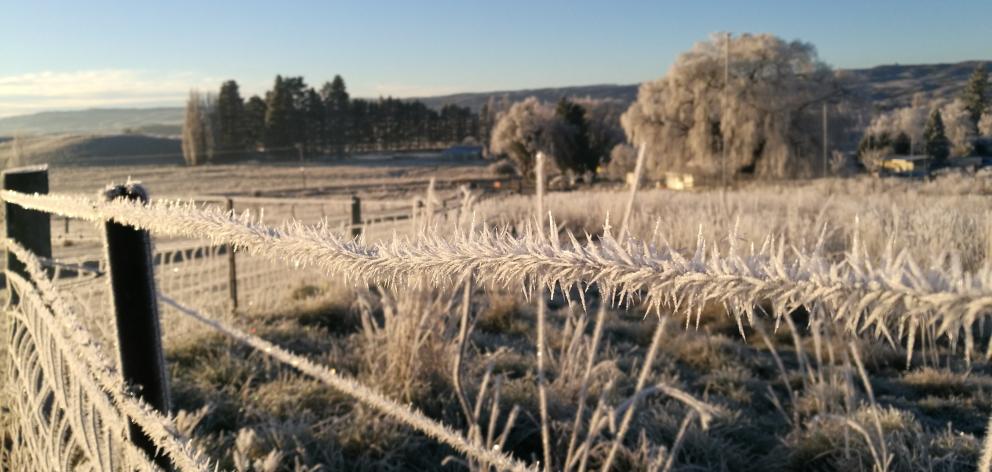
[463, 152]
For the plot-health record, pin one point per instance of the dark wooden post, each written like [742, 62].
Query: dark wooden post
[31, 229]
[232, 267]
[135, 304]
[356, 216]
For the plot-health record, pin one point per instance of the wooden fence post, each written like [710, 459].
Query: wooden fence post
[135, 305]
[232, 267]
[31, 229]
[356, 216]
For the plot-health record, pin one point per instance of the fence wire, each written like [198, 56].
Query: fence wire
[357, 391]
[67, 407]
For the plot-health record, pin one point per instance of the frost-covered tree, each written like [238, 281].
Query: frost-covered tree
[623, 158]
[961, 130]
[527, 127]
[908, 120]
[767, 116]
[935, 139]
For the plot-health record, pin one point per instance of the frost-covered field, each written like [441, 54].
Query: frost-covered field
[382, 176]
[799, 392]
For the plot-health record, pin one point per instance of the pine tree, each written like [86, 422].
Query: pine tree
[278, 107]
[902, 144]
[337, 115]
[935, 140]
[976, 94]
[313, 122]
[230, 120]
[296, 93]
[254, 122]
[579, 157]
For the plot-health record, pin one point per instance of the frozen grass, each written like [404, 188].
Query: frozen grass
[801, 391]
[950, 214]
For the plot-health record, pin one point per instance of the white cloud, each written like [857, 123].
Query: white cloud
[29, 93]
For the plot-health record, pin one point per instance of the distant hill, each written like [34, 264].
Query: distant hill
[887, 86]
[84, 150]
[893, 86]
[623, 93]
[154, 121]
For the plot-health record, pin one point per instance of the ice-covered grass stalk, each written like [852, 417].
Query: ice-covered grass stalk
[642, 380]
[542, 390]
[629, 209]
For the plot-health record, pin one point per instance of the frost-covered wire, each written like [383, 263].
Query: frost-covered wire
[358, 391]
[892, 296]
[86, 360]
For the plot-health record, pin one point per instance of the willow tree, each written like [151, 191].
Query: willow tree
[528, 127]
[757, 97]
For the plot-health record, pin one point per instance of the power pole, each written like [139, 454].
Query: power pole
[824, 139]
[726, 84]
[303, 174]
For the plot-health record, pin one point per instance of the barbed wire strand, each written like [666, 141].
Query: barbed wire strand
[886, 295]
[405, 414]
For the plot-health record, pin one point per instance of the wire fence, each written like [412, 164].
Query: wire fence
[894, 298]
[66, 407]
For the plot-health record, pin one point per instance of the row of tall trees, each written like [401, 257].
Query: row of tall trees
[293, 118]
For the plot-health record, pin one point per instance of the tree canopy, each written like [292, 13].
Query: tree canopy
[765, 114]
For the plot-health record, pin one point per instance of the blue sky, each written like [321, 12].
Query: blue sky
[75, 54]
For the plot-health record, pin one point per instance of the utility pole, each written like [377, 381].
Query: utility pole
[303, 174]
[824, 139]
[726, 84]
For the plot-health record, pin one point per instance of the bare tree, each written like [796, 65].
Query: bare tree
[198, 129]
[763, 112]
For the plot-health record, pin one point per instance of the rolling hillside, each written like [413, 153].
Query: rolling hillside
[85, 150]
[887, 86]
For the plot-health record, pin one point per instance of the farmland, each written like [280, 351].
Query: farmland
[735, 382]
